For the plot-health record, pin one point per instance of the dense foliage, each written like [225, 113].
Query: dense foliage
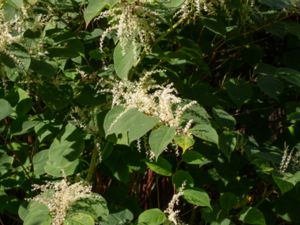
[149, 112]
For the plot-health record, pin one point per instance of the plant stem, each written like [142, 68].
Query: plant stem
[93, 164]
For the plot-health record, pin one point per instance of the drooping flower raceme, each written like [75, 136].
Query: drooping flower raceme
[171, 211]
[59, 196]
[150, 98]
[133, 22]
[190, 10]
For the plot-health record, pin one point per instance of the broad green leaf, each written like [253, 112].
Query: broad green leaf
[271, 86]
[37, 213]
[228, 142]
[173, 3]
[5, 162]
[239, 91]
[63, 154]
[94, 206]
[194, 158]
[94, 8]
[79, 219]
[287, 182]
[206, 132]
[122, 217]
[39, 161]
[197, 113]
[151, 217]
[25, 127]
[131, 122]
[161, 167]
[24, 106]
[182, 176]
[43, 68]
[253, 216]
[228, 201]
[290, 75]
[224, 119]
[17, 3]
[278, 4]
[197, 196]
[5, 109]
[124, 62]
[222, 222]
[160, 138]
[184, 141]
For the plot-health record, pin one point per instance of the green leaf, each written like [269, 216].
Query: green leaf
[239, 91]
[196, 113]
[37, 213]
[197, 196]
[26, 127]
[173, 3]
[79, 219]
[42, 67]
[228, 201]
[124, 62]
[122, 217]
[161, 167]
[160, 138]
[63, 154]
[252, 215]
[151, 217]
[228, 142]
[5, 109]
[271, 86]
[194, 158]
[5, 162]
[94, 8]
[287, 182]
[184, 141]
[16, 3]
[206, 132]
[290, 75]
[39, 161]
[131, 122]
[224, 119]
[182, 176]
[94, 206]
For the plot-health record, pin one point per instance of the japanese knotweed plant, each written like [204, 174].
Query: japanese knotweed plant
[151, 99]
[134, 23]
[60, 197]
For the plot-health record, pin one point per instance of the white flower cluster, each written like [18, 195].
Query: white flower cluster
[133, 22]
[11, 30]
[151, 99]
[286, 159]
[172, 213]
[59, 196]
[191, 9]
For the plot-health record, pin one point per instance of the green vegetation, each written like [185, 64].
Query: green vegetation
[149, 112]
